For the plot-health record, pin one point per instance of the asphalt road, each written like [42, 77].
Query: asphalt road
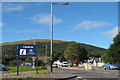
[99, 74]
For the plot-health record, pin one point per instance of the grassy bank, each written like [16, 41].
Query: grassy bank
[25, 68]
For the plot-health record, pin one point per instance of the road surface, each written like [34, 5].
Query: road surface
[90, 74]
[97, 74]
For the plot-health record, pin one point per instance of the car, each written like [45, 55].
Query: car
[55, 65]
[69, 64]
[111, 66]
[3, 67]
[65, 64]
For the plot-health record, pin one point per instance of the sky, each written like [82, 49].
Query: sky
[94, 23]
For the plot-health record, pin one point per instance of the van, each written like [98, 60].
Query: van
[65, 64]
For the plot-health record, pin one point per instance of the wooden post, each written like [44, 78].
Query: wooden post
[33, 62]
[37, 65]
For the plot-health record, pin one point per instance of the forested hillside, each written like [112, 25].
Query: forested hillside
[9, 50]
[58, 46]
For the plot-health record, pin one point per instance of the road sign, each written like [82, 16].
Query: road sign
[22, 51]
[27, 50]
[28, 64]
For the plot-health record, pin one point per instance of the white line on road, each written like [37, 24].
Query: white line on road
[117, 74]
[79, 77]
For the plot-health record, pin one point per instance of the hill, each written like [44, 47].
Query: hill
[30, 41]
[58, 46]
[9, 50]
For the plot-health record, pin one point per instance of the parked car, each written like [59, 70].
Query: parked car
[74, 63]
[111, 66]
[55, 65]
[65, 64]
[3, 67]
[69, 64]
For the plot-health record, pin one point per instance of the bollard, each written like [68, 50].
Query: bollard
[85, 65]
[90, 67]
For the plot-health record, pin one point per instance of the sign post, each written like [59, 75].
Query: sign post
[37, 65]
[33, 62]
[26, 50]
[18, 60]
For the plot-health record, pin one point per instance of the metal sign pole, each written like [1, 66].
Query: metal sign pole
[33, 62]
[33, 58]
[18, 61]
[17, 65]
[37, 65]
[46, 57]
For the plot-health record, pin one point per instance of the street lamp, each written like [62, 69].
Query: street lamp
[52, 29]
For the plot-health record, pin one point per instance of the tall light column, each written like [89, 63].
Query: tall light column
[51, 34]
[52, 30]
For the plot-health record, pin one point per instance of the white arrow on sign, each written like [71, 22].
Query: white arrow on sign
[22, 51]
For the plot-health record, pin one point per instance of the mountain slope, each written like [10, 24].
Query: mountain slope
[10, 48]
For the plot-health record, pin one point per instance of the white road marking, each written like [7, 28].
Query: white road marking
[117, 74]
[79, 77]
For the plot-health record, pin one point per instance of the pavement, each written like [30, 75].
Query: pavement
[57, 74]
[60, 74]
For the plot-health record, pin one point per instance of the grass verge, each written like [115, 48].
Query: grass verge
[28, 75]
[25, 68]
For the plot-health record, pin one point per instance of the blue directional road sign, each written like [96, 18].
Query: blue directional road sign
[27, 50]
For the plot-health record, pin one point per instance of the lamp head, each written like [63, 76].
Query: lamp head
[64, 3]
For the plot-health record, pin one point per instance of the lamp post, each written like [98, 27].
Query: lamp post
[52, 30]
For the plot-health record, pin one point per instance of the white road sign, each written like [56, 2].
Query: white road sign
[22, 51]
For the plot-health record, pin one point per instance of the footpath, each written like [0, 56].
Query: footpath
[59, 74]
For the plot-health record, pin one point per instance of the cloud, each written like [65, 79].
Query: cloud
[112, 33]
[91, 24]
[1, 24]
[9, 7]
[45, 19]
